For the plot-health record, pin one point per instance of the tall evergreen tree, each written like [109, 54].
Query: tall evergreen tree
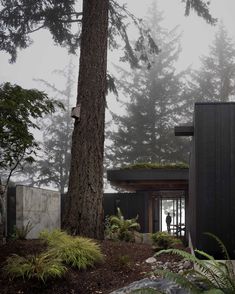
[215, 79]
[146, 132]
[18, 19]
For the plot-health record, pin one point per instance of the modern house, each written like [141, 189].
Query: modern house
[150, 189]
[206, 190]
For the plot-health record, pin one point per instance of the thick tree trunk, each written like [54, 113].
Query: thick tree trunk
[83, 210]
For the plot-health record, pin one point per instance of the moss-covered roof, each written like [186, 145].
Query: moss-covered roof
[144, 165]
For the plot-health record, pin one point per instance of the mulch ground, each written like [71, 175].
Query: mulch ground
[123, 264]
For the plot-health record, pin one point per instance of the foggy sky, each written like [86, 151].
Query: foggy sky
[41, 58]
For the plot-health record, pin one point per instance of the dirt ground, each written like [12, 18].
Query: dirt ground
[124, 263]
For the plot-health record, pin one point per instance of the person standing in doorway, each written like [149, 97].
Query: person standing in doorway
[168, 222]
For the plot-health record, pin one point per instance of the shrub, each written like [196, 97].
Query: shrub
[122, 229]
[163, 240]
[78, 252]
[208, 276]
[43, 266]
[53, 237]
[21, 233]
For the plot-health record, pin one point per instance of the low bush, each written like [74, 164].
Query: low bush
[121, 229]
[163, 240]
[53, 237]
[78, 252]
[42, 267]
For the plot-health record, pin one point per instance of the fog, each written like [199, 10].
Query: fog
[42, 58]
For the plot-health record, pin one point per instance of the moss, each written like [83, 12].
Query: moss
[146, 165]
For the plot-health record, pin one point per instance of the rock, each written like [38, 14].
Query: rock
[163, 285]
[151, 260]
[187, 264]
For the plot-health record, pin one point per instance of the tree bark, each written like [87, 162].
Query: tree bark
[83, 209]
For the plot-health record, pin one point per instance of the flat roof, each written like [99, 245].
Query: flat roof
[149, 179]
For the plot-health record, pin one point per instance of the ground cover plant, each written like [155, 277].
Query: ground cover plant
[40, 266]
[77, 252]
[148, 165]
[123, 264]
[163, 240]
[208, 275]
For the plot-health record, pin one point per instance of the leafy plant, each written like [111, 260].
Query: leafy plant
[122, 229]
[163, 240]
[78, 252]
[21, 233]
[208, 276]
[42, 267]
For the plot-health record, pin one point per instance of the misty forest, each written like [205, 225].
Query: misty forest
[117, 146]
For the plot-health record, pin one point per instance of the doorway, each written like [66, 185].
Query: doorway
[172, 202]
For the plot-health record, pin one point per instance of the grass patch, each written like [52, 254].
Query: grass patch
[77, 252]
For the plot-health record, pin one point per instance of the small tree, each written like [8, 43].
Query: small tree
[53, 165]
[19, 109]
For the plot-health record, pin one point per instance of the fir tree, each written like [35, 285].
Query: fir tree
[157, 103]
[215, 80]
[52, 167]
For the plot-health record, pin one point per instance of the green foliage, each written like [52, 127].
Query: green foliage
[53, 237]
[120, 228]
[21, 233]
[19, 110]
[215, 79]
[42, 267]
[208, 276]
[19, 20]
[163, 240]
[78, 252]
[201, 7]
[144, 133]
[52, 167]
[148, 165]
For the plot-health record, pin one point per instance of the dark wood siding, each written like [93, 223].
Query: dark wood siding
[11, 210]
[212, 175]
[131, 205]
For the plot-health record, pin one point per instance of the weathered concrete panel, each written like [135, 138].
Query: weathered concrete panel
[40, 207]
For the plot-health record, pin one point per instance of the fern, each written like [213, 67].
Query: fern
[214, 275]
[121, 228]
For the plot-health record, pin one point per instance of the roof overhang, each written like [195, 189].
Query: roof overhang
[149, 179]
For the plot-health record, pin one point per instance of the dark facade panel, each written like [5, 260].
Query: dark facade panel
[131, 205]
[184, 131]
[11, 210]
[212, 180]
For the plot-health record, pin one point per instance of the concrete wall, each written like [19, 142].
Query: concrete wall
[40, 207]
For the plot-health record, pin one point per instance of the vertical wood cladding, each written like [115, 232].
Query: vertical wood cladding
[212, 176]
